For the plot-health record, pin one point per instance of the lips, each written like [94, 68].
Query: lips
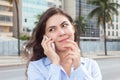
[63, 40]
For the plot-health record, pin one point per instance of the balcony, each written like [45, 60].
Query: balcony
[10, 34]
[2, 23]
[6, 13]
[6, 3]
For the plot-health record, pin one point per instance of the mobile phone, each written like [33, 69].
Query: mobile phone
[52, 45]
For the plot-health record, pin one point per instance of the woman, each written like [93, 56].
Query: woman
[56, 53]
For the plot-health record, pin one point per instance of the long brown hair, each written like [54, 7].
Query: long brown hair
[39, 31]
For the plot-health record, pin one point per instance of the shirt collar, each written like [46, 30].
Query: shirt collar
[48, 62]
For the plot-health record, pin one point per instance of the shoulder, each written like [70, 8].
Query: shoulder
[88, 61]
[84, 59]
[38, 67]
[39, 63]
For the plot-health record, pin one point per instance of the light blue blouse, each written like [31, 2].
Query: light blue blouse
[43, 70]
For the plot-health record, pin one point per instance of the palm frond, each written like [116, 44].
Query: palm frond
[113, 10]
[95, 2]
[108, 18]
[99, 20]
[115, 5]
[11, 1]
[94, 12]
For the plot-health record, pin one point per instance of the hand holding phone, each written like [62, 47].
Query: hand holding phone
[49, 50]
[52, 44]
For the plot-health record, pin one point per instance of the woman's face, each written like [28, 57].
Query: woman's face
[60, 29]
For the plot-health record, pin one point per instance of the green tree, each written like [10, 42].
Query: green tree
[83, 24]
[17, 16]
[37, 17]
[103, 11]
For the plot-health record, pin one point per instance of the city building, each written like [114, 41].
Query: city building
[76, 7]
[6, 18]
[30, 9]
[113, 31]
[69, 6]
[92, 32]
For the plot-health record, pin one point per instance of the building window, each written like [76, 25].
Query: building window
[108, 33]
[116, 18]
[112, 33]
[116, 33]
[2, 18]
[108, 26]
[116, 1]
[117, 26]
[50, 4]
[5, 18]
[113, 18]
[112, 26]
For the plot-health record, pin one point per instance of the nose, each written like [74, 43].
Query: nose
[61, 32]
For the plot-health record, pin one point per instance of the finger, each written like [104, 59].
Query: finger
[75, 58]
[49, 43]
[67, 52]
[73, 55]
[73, 43]
[46, 42]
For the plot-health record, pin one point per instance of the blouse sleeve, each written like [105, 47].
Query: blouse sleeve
[81, 73]
[35, 74]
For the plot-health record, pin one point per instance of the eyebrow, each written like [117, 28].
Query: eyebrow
[55, 26]
[63, 22]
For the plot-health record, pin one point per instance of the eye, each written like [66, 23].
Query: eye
[65, 25]
[51, 30]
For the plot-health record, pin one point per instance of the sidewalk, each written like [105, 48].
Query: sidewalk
[101, 55]
[18, 60]
[11, 61]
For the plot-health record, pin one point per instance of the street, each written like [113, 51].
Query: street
[110, 69]
[12, 73]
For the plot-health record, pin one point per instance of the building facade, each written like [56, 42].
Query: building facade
[113, 31]
[92, 32]
[80, 7]
[91, 29]
[29, 9]
[32, 8]
[6, 18]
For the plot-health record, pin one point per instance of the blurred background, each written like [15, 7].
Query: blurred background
[97, 21]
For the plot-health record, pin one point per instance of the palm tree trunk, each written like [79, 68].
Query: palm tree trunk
[104, 28]
[18, 31]
[79, 22]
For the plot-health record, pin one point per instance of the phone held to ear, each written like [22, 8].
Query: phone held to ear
[52, 44]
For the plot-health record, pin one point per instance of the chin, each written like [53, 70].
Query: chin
[63, 49]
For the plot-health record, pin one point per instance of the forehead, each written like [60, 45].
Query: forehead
[56, 19]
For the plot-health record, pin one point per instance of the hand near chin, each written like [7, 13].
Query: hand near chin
[73, 53]
[49, 51]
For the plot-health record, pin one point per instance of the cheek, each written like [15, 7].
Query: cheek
[70, 32]
[53, 36]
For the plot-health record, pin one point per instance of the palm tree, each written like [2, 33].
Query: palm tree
[103, 11]
[79, 21]
[17, 15]
[82, 24]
